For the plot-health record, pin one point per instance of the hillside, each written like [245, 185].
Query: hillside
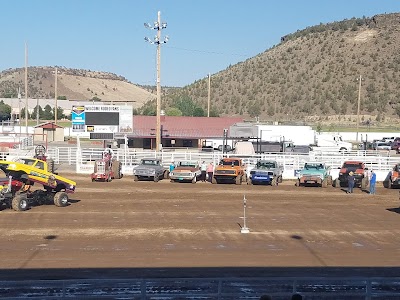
[72, 84]
[312, 72]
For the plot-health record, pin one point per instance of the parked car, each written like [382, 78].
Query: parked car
[186, 171]
[389, 139]
[315, 173]
[383, 146]
[395, 145]
[150, 169]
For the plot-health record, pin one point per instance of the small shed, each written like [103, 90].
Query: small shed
[54, 132]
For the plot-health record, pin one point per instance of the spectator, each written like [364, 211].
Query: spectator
[203, 169]
[171, 166]
[297, 297]
[372, 183]
[210, 171]
[265, 297]
[350, 182]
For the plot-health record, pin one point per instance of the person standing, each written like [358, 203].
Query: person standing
[171, 167]
[203, 169]
[372, 183]
[210, 171]
[350, 182]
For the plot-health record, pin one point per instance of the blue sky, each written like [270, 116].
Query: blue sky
[204, 36]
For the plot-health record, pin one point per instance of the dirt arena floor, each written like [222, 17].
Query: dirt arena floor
[127, 225]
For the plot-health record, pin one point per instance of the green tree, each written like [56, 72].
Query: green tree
[62, 97]
[198, 112]
[48, 113]
[35, 110]
[185, 104]
[149, 109]
[60, 113]
[5, 111]
[173, 111]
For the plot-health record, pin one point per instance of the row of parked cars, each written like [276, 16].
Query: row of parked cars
[269, 172]
[387, 143]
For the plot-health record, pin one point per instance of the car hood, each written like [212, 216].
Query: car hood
[183, 169]
[313, 172]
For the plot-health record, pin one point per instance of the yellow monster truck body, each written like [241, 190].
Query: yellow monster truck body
[36, 170]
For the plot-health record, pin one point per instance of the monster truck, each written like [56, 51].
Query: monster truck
[266, 171]
[186, 171]
[359, 171]
[150, 168]
[29, 171]
[314, 173]
[393, 178]
[230, 170]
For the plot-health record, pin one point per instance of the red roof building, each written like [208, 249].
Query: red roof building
[187, 132]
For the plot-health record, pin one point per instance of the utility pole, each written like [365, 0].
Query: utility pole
[358, 104]
[37, 111]
[157, 41]
[55, 97]
[209, 95]
[26, 89]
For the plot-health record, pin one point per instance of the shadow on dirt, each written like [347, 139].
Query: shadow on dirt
[395, 210]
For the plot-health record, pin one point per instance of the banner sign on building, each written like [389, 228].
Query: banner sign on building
[103, 119]
[78, 118]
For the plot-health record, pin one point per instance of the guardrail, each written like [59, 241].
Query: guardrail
[206, 288]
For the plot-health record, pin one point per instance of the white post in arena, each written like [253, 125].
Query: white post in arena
[244, 229]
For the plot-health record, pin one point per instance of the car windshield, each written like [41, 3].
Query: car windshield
[187, 164]
[353, 166]
[313, 166]
[266, 165]
[149, 162]
[26, 161]
[229, 162]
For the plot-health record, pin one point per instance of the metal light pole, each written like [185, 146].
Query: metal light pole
[157, 40]
[358, 104]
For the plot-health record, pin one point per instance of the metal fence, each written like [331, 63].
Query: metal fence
[320, 288]
[290, 161]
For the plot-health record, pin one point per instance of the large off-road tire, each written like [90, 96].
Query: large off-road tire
[135, 178]
[249, 181]
[194, 180]
[61, 199]
[19, 202]
[336, 183]
[297, 183]
[238, 180]
[116, 169]
[214, 181]
[364, 183]
[324, 183]
[166, 174]
[274, 181]
[156, 178]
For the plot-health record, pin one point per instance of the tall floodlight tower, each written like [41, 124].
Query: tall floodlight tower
[157, 41]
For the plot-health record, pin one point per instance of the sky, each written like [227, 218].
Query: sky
[205, 36]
